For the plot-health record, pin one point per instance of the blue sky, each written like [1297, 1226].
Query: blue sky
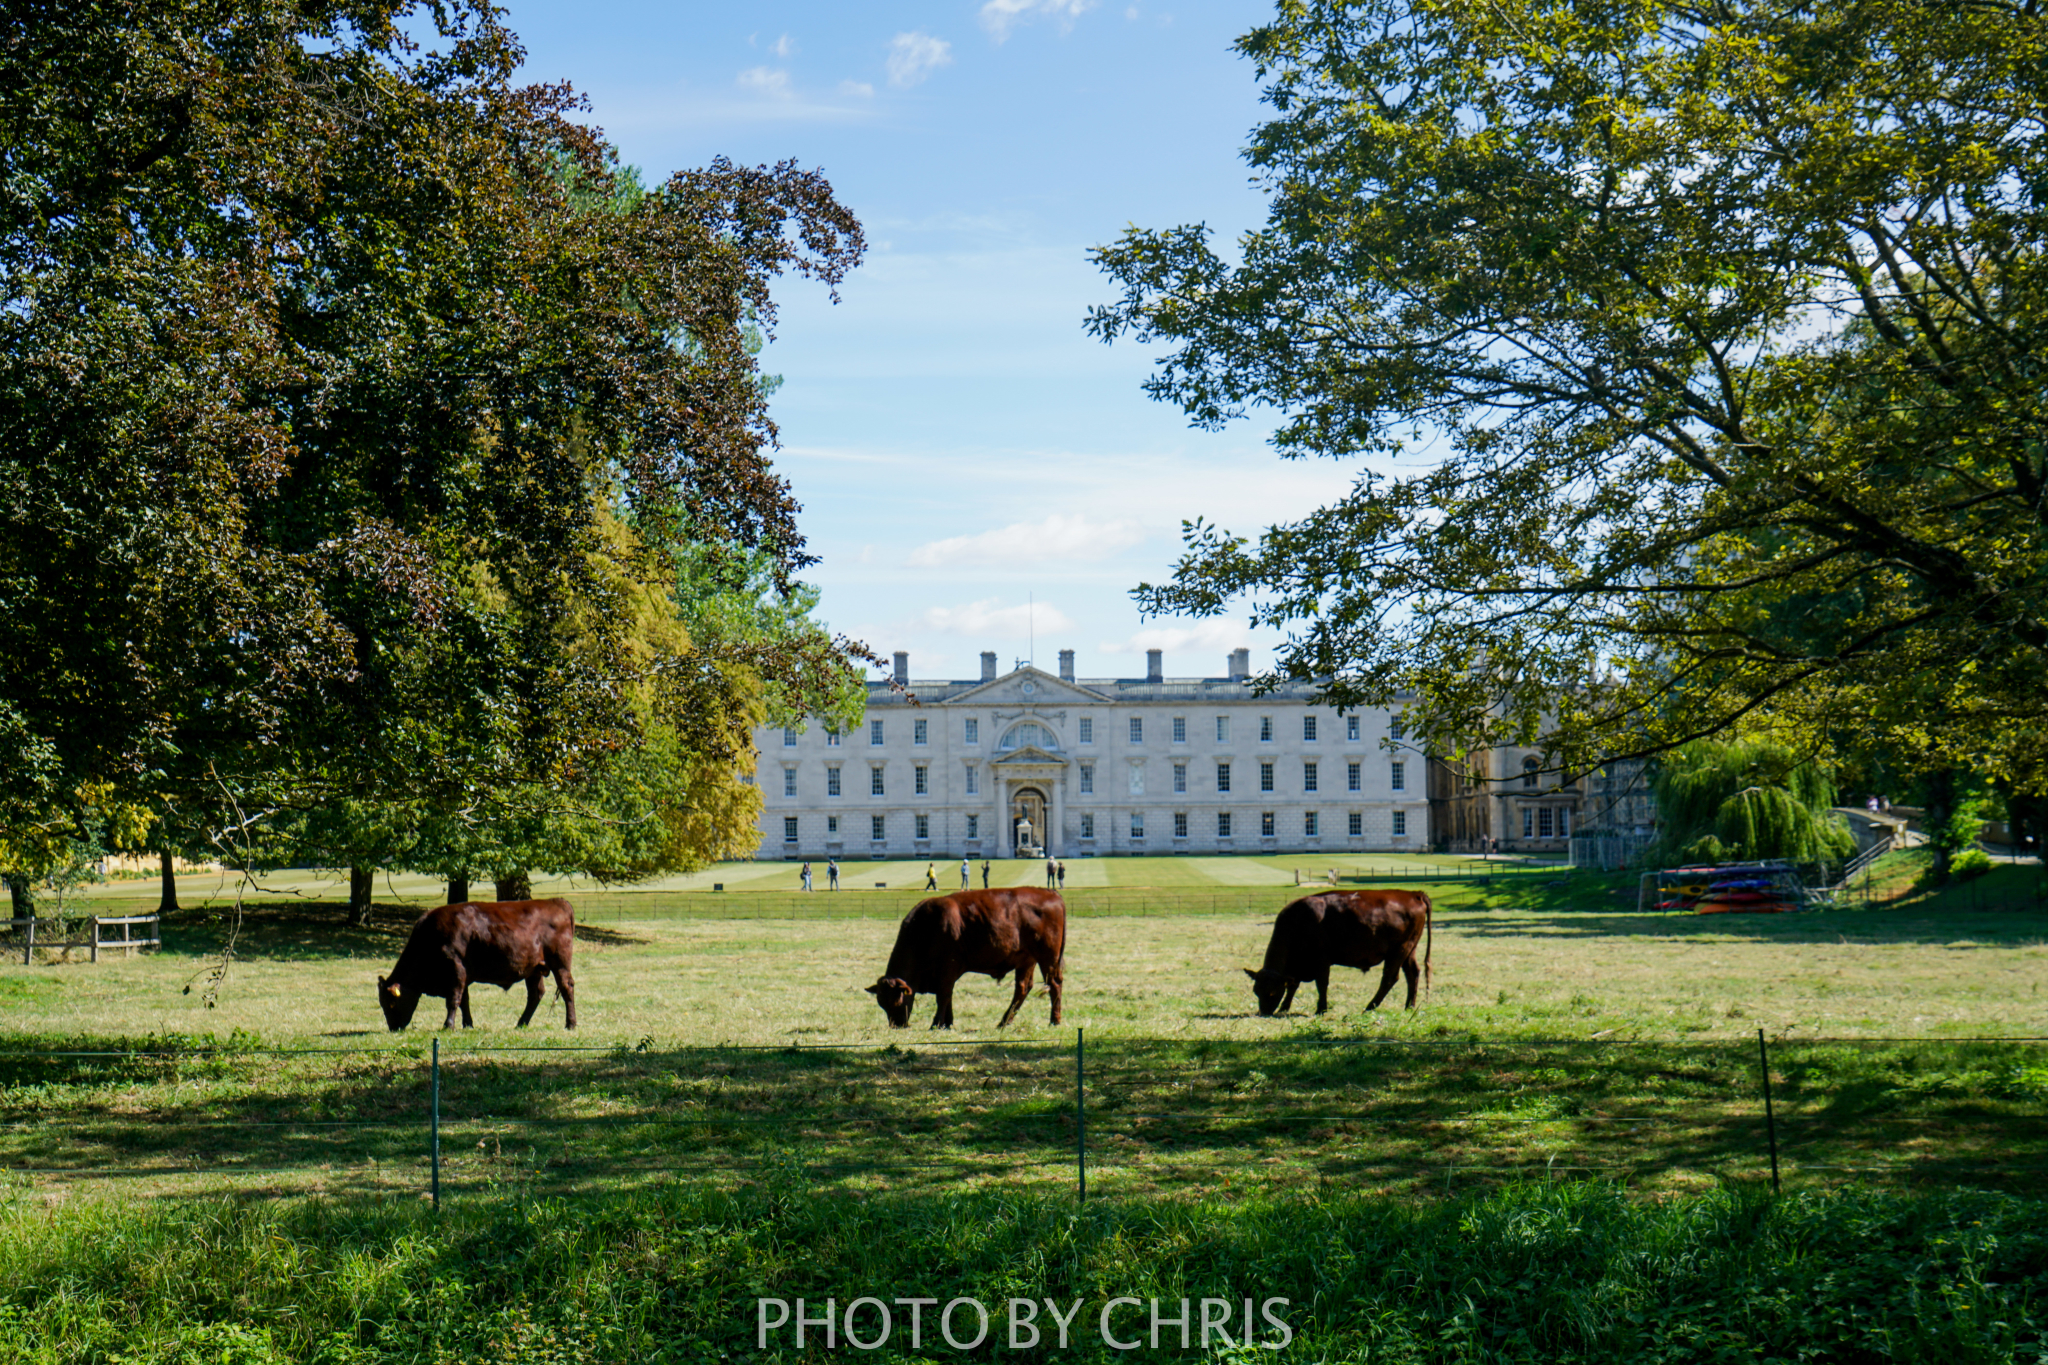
[976, 472]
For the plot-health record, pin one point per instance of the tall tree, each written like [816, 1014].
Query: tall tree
[1692, 352]
[316, 391]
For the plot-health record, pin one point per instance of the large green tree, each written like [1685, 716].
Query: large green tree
[1692, 353]
[320, 391]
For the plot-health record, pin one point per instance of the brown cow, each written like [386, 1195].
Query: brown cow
[491, 943]
[991, 932]
[1343, 929]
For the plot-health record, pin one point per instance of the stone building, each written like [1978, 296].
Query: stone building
[1032, 764]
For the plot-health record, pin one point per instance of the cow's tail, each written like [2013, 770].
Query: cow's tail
[1428, 938]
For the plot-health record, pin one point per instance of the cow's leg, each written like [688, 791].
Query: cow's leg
[1387, 976]
[458, 1002]
[1287, 1000]
[1019, 995]
[1414, 975]
[1323, 991]
[942, 1017]
[565, 986]
[535, 993]
[1055, 985]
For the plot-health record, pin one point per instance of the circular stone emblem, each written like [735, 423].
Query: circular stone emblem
[1029, 687]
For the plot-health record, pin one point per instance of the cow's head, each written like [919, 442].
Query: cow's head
[1269, 987]
[894, 995]
[397, 1002]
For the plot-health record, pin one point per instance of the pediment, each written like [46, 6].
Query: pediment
[1029, 687]
[1029, 754]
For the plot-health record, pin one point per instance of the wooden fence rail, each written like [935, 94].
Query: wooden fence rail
[96, 935]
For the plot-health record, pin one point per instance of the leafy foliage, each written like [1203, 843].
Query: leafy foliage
[1750, 799]
[1715, 332]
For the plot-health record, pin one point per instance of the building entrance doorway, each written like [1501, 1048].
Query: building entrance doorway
[1027, 823]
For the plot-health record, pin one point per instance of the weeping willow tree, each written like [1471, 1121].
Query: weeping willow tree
[1749, 799]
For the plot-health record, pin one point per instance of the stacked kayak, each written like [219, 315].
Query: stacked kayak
[1753, 889]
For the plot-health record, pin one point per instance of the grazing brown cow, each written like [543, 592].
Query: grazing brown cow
[491, 943]
[1343, 929]
[991, 932]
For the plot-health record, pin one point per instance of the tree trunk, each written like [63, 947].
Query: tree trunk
[21, 892]
[167, 903]
[1941, 807]
[515, 886]
[359, 894]
[458, 889]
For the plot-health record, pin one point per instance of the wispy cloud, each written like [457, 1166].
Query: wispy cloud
[1000, 16]
[766, 80]
[1218, 635]
[988, 618]
[858, 89]
[784, 46]
[1056, 538]
[914, 56]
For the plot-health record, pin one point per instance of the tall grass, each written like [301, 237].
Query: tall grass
[1535, 1273]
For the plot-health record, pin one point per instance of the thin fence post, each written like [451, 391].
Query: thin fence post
[92, 923]
[436, 1125]
[1763, 1053]
[1081, 1114]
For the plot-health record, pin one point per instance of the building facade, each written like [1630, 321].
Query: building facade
[1034, 764]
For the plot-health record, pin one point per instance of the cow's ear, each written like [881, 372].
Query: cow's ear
[875, 989]
[1252, 974]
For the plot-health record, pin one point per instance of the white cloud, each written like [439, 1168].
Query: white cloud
[766, 80]
[1058, 538]
[1000, 16]
[913, 56]
[1217, 635]
[784, 46]
[859, 89]
[987, 618]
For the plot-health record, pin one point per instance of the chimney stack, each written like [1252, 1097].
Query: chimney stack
[1240, 664]
[1067, 665]
[988, 665]
[1155, 665]
[903, 665]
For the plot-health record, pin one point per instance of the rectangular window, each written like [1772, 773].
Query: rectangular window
[878, 829]
[1399, 773]
[1308, 824]
[973, 731]
[874, 732]
[1308, 729]
[831, 781]
[1353, 775]
[1137, 779]
[1356, 824]
[789, 782]
[1265, 777]
[831, 739]
[1543, 823]
[1351, 728]
[789, 829]
[1223, 729]
[919, 731]
[831, 827]
[1087, 779]
[1087, 729]
[1180, 824]
[974, 826]
[1400, 823]
[1223, 777]
[1308, 777]
[924, 827]
[789, 736]
[1265, 824]
[1180, 777]
[921, 779]
[1564, 822]
[1180, 729]
[874, 782]
[973, 781]
[1528, 823]
[1137, 729]
[1137, 824]
[1265, 729]
[1087, 827]
[1395, 729]
[1223, 824]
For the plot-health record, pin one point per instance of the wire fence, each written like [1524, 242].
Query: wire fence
[1103, 1117]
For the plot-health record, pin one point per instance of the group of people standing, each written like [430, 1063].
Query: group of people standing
[831, 875]
[1055, 874]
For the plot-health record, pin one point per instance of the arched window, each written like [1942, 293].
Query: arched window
[1028, 735]
[1529, 767]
